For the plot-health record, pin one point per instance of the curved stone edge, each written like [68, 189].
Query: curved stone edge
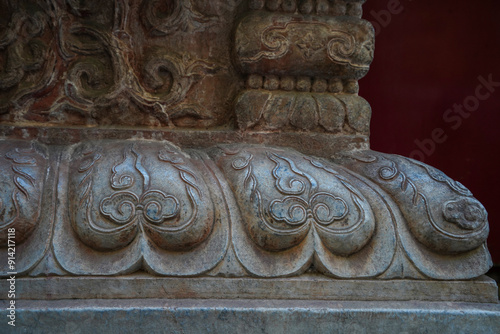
[142, 253]
[394, 175]
[255, 316]
[29, 251]
[371, 261]
[417, 260]
[257, 261]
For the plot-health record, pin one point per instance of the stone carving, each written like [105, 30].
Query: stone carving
[318, 7]
[123, 206]
[452, 222]
[23, 173]
[306, 62]
[26, 204]
[240, 201]
[86, 66]
[293, 45]
[142, 200]
[27, 57]
[136, 205]
[320, 112]
[180, 15]
[103, 77]
[292, 219]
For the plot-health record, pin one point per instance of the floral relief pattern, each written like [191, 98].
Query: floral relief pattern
[81, 63]
[322, 207]
[285, 213]
[452, 222]
[135, 204]
[126, 207]
[21, 187]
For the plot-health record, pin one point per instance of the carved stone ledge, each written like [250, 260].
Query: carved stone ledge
[306, 287]
[27, 202]
[239, 210]
[191, 139]
[215, 149]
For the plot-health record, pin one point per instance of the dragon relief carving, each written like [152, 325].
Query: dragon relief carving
[168, 214]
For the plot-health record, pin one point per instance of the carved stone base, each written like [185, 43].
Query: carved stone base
[252, 316]
[256, 183]
[116, 207]
[305, 287]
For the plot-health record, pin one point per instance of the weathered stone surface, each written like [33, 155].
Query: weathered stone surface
[297, 45]
[257, 183]
[242, 210]
[129, 206]
[307, 142]
[294, 205]
[258, 316]
[305, 287]
[27, 192]
[117, 63]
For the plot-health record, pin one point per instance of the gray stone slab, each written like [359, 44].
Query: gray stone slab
[306, 287]
[250, 316]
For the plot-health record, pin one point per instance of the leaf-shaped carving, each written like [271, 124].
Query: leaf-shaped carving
[284, 44]
[285, 207]
[120, 207]
[440, 214]
[137, 200]
[21, 192]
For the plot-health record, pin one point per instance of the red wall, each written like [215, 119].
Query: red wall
[429, 56]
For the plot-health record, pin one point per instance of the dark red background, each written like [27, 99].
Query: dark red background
[427, 58]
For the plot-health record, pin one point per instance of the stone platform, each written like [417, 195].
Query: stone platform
[234, 169]
[251, 316]
[308, 304]
[308, 287]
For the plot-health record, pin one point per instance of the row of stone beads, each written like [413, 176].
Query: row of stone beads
[302, 84]
[319, 7]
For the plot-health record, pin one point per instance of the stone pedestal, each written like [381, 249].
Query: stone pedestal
[198, 166]
[255, 316]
